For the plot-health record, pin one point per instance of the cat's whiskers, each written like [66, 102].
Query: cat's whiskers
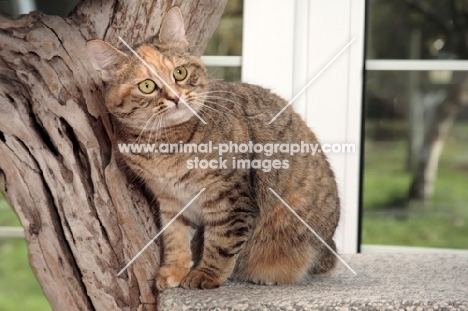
[220, 91]
[155, 122]
[208, 114]
[197, 97]
[224, 99]
[214, 121]
[219, 105]
[203, 105]
[161, 126]
[209, 95]
[144, 128]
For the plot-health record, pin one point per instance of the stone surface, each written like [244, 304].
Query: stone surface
[383, 282]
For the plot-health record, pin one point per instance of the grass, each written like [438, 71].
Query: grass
[8, 217]
[19, 289]
[426, 231]
[389, 218]
[385, 180]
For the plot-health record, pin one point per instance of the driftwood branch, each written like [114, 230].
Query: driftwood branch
[82, 218]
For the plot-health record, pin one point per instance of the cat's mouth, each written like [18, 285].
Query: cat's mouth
[180, 112]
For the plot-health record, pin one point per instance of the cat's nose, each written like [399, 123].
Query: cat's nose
[175, 99]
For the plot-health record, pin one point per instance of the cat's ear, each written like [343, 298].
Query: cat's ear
[105, 58]
[172, 28]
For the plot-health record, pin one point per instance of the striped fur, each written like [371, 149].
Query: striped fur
[248, 234]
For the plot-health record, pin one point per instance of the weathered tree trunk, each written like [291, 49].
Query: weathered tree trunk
[415, 107]
[422, 186]
[82, 218]
[455, 30]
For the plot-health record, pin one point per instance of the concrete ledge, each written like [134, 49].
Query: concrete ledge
[384, 282]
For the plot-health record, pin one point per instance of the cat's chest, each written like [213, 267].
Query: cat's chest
[168, 177]
[170, 184]
[180, 192]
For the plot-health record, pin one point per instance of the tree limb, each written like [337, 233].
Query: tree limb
[83, 219]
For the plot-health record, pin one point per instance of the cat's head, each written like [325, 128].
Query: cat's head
[159, 86]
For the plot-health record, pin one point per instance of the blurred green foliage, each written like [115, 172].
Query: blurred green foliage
[389, 218]
[19, 288]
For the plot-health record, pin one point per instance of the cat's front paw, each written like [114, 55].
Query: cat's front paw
[170, 276]
[197, 279]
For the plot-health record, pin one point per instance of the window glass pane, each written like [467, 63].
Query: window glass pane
[227, 41]
[232, 74]
[61, 8]
[227, 38]
[426, 29]
[416, 159]
[16, 7]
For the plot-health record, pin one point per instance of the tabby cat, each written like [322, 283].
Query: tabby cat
[246, 232]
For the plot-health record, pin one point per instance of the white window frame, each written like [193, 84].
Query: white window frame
[285, 43]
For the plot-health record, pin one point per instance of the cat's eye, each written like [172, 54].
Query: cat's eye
[180, 73]
[147, 87]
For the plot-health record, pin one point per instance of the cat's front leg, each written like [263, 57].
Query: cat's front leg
[177, 257]
[223, 240]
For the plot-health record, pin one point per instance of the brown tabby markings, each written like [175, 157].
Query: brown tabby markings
[248, 234]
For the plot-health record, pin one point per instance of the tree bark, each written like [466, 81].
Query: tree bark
[83, 219]
[438, 130]
[415, 108]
